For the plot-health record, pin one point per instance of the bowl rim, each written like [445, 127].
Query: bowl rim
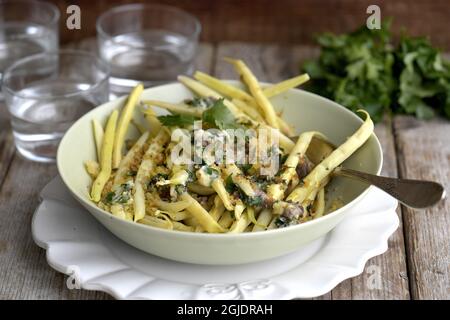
[87, 203]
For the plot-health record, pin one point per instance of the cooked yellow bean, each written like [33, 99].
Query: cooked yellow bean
[219, 187]
[276, 191]
[125, 164]
[218, 208]
[256, 91]
[339, 155]
[98, 137]
[319, 205]
[240, 224]
[148, 163]
[179, 108]
[285, 85]
[106, 156]
[201, 215]
[153, 121]
[263, 221]
[226, 220]
[240, 98]
[123, 123]
[222, 87]
[251, 112]
[206, 92]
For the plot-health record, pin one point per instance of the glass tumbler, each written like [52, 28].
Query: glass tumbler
[146, 43]
[26, 27]
[46, 93]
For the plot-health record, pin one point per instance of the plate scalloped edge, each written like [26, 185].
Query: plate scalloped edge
[74, 247]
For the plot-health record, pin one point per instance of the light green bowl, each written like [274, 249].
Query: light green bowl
[306, 111]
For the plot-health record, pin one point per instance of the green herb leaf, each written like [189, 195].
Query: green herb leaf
[180, 189]
[256, 201]
[109, 197]
[156, 178]
[200, 102]
[212, 172]
[219, 116]
[245, 167]
[120, 195]
[131, 173]
[177, 120]
[229, 184]
[282, 222]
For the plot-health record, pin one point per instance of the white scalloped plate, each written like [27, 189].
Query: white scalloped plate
[77, 243]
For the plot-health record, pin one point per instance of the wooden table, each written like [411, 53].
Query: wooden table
[416, 266]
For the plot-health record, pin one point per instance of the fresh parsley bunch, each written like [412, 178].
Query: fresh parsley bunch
[424, 79]
[364, 69]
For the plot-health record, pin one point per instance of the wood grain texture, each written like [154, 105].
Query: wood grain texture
[24, 272]
[273, 63]
[6, 144]
[282, 21]
[385, 276]
[423, 150]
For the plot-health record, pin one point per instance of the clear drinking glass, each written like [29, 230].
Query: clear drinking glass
[145, 43]
[46, 93]
[26, 27]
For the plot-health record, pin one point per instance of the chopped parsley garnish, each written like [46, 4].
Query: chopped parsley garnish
[229, 185]
[212, 172]
[283, 158]
[121, 195]
[257, 201]
[273, 151]
[206, 175]
[127, 186]
[191, 176]
[282, 222]
[180, 189]
[177, 120]
[262, 182]
[219, 116]
[200, 102]
[245, 167]
[164, 190]
[156, 178]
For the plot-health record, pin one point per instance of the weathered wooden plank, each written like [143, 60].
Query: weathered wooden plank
[385, 276]
[23, 268]
[423, 151]
[274, 63]
[7, 148]
[344, 291]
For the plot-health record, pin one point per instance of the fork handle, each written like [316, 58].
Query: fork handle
[417, 194]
